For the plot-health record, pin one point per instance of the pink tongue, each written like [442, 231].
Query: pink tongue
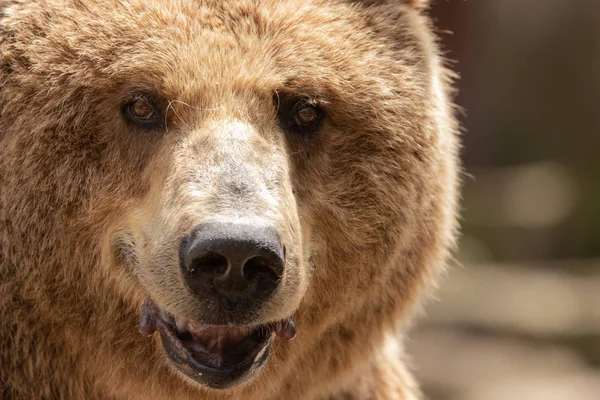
[217, 336]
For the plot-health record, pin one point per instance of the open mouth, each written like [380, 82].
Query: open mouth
[218, 356]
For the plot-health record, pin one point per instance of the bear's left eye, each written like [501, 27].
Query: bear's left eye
[144, 112]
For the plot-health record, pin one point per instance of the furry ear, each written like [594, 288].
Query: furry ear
[3, 5]
[417, 3]
[412, 3]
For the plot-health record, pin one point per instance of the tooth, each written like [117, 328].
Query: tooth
[260, 354]
[193, 326]
[182, 324]
[212, 344]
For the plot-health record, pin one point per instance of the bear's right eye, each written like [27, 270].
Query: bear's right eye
[301, 116]
[144, 112]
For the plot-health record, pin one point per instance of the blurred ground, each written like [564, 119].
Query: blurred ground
[520, 317]
[516, 331]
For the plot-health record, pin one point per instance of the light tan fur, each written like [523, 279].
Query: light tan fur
[91, 209]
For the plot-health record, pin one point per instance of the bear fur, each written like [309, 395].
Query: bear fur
[90, 207]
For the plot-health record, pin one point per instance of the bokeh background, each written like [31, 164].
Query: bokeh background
[519, 316]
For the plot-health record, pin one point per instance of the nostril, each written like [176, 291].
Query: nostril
[258, 269]
[231, 260]
[210, 263]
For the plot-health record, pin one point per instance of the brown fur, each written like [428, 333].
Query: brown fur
[90, 208]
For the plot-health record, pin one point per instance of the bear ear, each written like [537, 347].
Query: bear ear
[417, 3]
[3, 5]
[411, 3]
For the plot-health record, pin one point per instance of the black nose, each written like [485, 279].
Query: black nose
[233, 261]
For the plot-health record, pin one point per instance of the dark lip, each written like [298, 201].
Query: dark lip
[183, 358]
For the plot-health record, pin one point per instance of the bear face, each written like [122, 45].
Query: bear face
[239, 167]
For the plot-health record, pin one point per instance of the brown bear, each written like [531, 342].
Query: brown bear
[186, 186]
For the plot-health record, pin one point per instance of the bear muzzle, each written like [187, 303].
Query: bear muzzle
[232, 268]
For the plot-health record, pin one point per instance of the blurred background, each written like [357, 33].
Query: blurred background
[519, 318]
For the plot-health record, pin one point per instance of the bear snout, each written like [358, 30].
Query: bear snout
[235, 265]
